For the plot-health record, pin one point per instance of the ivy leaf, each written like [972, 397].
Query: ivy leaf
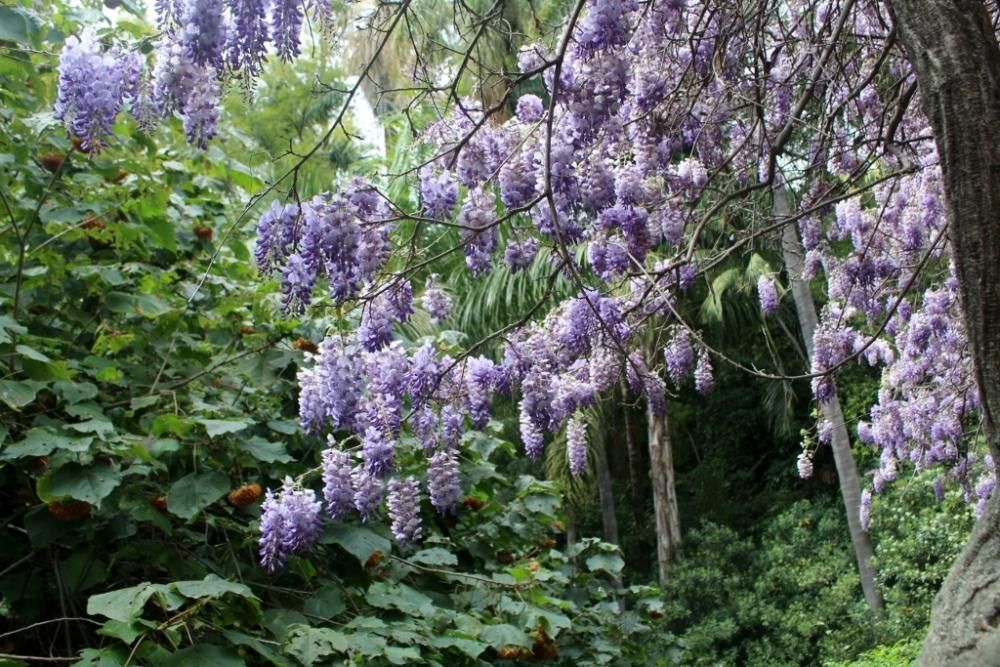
[123, 605]
[399, 655]
[217, 427]
[192, 493]
[31, 353]
[91, 484]
[359, 541]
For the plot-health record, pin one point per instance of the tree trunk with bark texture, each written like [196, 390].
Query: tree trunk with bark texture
[605, 494]
[847, 469]
[955, 54]
[661, 473]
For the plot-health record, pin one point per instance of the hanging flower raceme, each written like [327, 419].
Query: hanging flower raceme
[289, 523]
[203, 33]
[338, 495]
[576, 444]
[768, 295]
[404, 509]
[93, 85]
[435, 301]
[443, 480]
[248, 36]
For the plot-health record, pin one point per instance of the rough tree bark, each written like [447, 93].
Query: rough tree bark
[605, 494]
[955, 54]
[661, 473]
[847, 469]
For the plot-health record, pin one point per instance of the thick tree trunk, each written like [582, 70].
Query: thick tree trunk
[661, 473]
[847, 470]
[954, 51]
[605, 494]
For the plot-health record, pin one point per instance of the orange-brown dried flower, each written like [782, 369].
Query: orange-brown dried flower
[69, 510]
[159, 502]
[203, 232]
[52, 161]
[473, 503]
[305, 345]
[245, 495]
[374, 560]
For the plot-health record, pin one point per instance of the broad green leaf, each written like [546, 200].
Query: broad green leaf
[76, 392]
[16, 25]
[123, 605]
[211, 586]
[502, 634]
[217, 427]
[8, 326]
[42, 442]
[31, 353]
[192, 493]
[266, 651]
[309, 645]
[109, 656]
[399, 596]
[434, 557]
[126, 632]
[399, 655]
[611, 563]
[264, 450]
[204, 655]
[469, 647]
[91, 484]
[359, 541]
[327, 602]
[19, 394]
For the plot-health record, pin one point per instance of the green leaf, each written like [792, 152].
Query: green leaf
[42, 442]
[359, 541]
[217, 427]
[399, 596]
[435, 557]
[110, 656]
[16, 25]
[266, 651]
[399, 655]
[76, 392]
[327, 602]
[309, 645]
[19, 394]
[469, 647]
[31, 353]
[502, 634]
[204, 655]
[611, 563]
[192, 493]
[126, 632]
[8, 325]
[264, 450]
[91, 484]
[211, 587]
[123, 605]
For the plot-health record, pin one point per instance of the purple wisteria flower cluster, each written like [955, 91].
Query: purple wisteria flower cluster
[615, 199]
[202, 45]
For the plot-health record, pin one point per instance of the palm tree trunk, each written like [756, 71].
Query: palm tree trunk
[847, 470]
[605, 494]
[661, 473]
